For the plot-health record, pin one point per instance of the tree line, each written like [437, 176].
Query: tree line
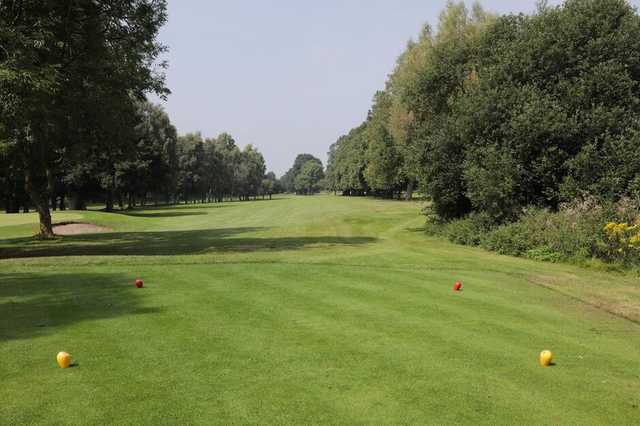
[156, 166]
[215, 169]
[493, 114]
[75, 125]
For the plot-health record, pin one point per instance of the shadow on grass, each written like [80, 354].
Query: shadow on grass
[159, 214]
[33, 305]
[421, 230]
[168, 243]
[181, 206]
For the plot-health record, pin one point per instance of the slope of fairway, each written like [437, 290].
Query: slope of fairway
[304, 310]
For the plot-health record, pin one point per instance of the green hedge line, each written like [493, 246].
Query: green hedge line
[580, 231]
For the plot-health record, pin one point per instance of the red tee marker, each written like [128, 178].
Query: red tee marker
[139, 283]
[457, 286]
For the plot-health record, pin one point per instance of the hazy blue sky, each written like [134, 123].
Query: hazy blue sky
[288, 76]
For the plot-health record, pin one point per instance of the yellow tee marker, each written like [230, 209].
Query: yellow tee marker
[64, 359]
[545, 358]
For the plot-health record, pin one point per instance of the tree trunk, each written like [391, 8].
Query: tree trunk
[36, 187]
[409, 194]
[109, 201]
[46, 227]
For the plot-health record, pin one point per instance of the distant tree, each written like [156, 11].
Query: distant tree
[347, 163]
[229, 153]
[269, 185]
[192, 182]
[215, 173]
[308, 180]
[331, 177]
[253, 162]
[289, 178]
[383, 161]
[159, 136]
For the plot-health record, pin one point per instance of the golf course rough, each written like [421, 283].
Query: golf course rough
[304, 310]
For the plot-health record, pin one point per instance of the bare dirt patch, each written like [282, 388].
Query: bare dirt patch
[78, 229]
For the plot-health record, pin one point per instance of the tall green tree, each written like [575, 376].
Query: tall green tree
[382, 172]
[347, 163]
[255, 168]
[307, 182]
[289, 178]
[494, 114]
[57, 60]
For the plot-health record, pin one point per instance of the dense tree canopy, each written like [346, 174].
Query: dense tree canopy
[307, 182]
[497, 113]
[75, 124]
[70, 75]
[289, 179]
[346, 163]
[158, 166]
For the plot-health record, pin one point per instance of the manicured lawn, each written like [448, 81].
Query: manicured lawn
[304, 310]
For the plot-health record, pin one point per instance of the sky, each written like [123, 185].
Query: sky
[288, 76]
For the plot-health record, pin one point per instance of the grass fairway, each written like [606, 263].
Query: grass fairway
[304, 310]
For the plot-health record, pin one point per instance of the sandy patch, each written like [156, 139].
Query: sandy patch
[78, 228]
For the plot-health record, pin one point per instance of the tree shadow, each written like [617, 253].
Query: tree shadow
[167, 243]
[177, 207]
[37, 304]
[421, 229]
[160, 214]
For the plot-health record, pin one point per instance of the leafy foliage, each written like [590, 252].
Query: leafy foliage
[496, 114]
[307, 182]
[290, 181]
[71, 73]
[75, 123]
[574, 233]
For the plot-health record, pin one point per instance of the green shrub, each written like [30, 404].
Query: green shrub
[581, 230]
[469, 231]
[544, 254]
[508, 239]
[622, 242]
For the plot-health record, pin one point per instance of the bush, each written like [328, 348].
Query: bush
[621, 242]
[511, 239]
[469, 231]
[544, 254]
[581, 230]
